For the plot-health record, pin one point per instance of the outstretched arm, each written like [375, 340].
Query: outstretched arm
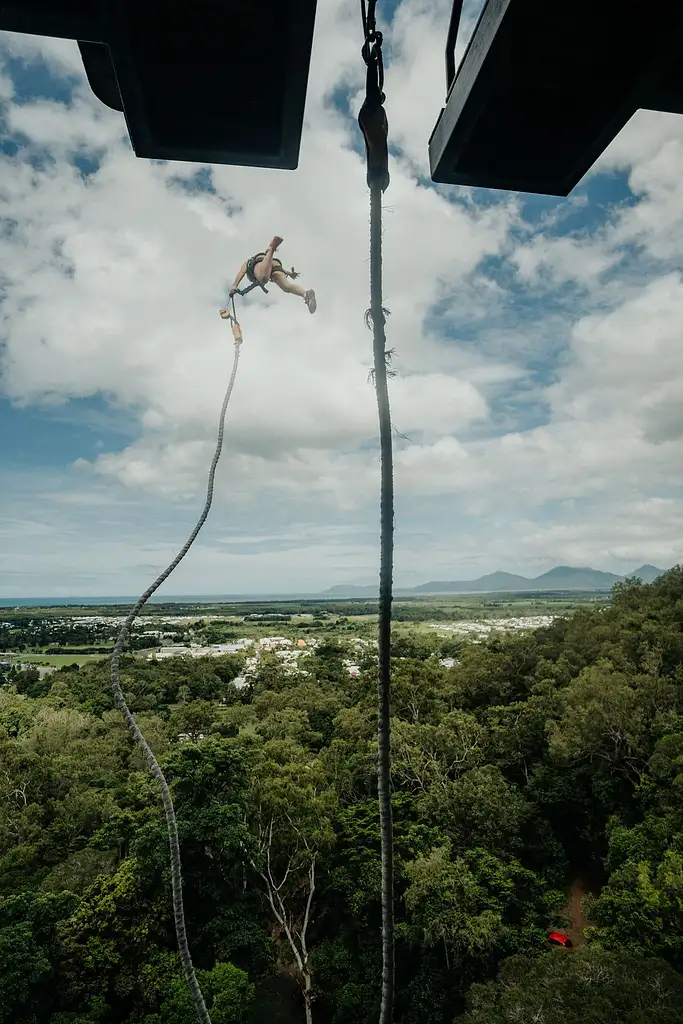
[240, 274]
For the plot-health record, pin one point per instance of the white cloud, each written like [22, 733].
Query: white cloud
[616, 540]
[113, 284]
[650, 149]
[564, 259]
[6, 85]
[625, 358]
[61, 56]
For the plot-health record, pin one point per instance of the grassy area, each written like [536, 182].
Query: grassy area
[58, 660]
[66, 659]
[495, 606]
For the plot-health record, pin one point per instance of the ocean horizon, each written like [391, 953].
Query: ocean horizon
[58, 602]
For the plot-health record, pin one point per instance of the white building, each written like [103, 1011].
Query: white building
[495, 625]
[196, 651]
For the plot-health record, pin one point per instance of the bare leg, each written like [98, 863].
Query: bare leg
[264, 269]
[286, 285]
[307, 294]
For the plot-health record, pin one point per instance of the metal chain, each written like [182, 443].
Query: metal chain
[371, 51]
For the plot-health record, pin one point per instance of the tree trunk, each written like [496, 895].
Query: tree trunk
[296, 937]
[308, 997]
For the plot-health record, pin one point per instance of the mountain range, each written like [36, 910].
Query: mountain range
[562, 577]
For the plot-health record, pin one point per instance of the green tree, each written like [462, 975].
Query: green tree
[28, 955]
[602, 718]
[586, 986]
[480, 808]
[228, 992]
[105, 942]
[641, 907]
[291, 808]
[224, 917]
[475, 906]
[429, 757]
[193, 718]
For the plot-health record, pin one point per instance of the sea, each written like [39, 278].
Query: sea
[81, 602]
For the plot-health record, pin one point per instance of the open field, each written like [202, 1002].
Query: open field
[58, 660]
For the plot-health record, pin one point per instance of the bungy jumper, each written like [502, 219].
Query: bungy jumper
[263, 268]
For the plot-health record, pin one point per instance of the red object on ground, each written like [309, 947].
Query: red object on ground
[558, 939]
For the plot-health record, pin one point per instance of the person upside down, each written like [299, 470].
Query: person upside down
[265, 267]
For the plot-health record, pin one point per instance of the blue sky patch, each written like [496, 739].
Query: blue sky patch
[35, 80]
[58, 435]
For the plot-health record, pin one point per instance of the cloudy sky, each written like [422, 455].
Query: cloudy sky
[539, 346]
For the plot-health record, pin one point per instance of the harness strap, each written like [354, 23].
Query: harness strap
[250, 288]
[255, 283]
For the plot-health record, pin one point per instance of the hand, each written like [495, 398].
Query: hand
[232, 293]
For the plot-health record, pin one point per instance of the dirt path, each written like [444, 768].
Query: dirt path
[578, 919]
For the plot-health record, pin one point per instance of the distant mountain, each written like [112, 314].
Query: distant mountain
[565, 577]
[492, 581]
[647, 573]
[562, 577]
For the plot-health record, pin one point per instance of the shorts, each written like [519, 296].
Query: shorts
[259, 258]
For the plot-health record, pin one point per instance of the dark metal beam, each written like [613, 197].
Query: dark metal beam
[62, 19]
[451, 40]
[211, 81]
[544, 88]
